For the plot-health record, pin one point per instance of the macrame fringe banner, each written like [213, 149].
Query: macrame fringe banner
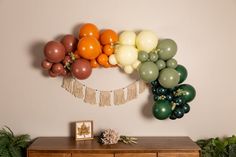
[103, 98]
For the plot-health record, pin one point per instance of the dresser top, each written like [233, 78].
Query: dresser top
[145, 144]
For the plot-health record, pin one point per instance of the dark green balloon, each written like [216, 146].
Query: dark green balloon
[183, 73]
[188, 92]
[186, 108]
[162, 109]
[172, 117]
[167, 49]
[178, 112]
[179, 101]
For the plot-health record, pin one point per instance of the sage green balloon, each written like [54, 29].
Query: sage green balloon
[162, 109]
[171, 63]
[169, 78]
[167, 49]
[153, 56]
[161, 64]
[148, 71]
[142, 56]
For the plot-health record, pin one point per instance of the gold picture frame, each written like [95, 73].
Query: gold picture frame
[84, 130]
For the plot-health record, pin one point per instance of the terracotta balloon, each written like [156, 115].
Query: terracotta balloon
[54, 51]
[70, 43]
[46, 65]
[57, 68]
[64, 72]
[81, 69]
[52, 74]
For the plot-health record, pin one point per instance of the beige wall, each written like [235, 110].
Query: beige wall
[204, 30]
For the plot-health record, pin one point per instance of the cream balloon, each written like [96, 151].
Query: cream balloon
[146, 41]
[126, 54]
[128, 69]
[112, 59]
[136, 64]
[127, 38]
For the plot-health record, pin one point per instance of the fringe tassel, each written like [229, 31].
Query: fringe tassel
[78, 89]
[119, 97]
[90, 96]
[142, 86]
[67, 84]
[131, 92]
[105, 98]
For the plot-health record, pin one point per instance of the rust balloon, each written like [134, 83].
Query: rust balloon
[70, 43]
[52, 74]
[57, 68]
[54, 51]
[46, 65]
[81, 69]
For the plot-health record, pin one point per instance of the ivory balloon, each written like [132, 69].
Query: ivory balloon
[146, 41]
[126, 54]
[112, 59]
[128, 69]
[127, 38]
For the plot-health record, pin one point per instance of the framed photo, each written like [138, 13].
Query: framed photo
[84, 130]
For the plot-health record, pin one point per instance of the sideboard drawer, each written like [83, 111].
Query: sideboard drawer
[91, 155]
[49, 154]
[178, 154]
[136, 155]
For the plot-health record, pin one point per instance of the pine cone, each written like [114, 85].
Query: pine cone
[109, 136]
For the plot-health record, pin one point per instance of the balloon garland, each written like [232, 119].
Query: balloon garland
[151, 57]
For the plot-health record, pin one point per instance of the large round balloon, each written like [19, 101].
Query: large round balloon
[54, 51]
[70, 43]
[183, 73]
[146, 41]
[162, 109]
[168, 78]
[89, 30]
[167, 49]
[89, 48]
[126, 55]
[187, 92]
[81, 69]
[148, 71]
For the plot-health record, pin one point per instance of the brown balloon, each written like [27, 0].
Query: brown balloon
[57, 68]
[70, 43]
[81, 69]
[54, 51]
[46, 65]
[64, 72]
[52, 74]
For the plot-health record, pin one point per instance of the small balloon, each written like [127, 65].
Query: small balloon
[64, 72]
[188, 92]
[153, 56]
[46, 65]
[171, 63]
[186, 108]
[142, 56]
[179, 101]
[70, 43]
[52, 74]
[112, 59]
[178, 112]
[54, 51]
[168, 78]
[57, 68]
[167, 49]
[148, 71]
[161, 64]
[183, 73]
[162, 109]
[128, 69]
[81, 69]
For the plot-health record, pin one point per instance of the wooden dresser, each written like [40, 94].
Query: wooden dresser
[146, 147]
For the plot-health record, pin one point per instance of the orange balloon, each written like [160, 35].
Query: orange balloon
[108, 49]
[107, 65]
[94, 63]
[89, 48]
[108, 37]
[102, 59]
[89, 30]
